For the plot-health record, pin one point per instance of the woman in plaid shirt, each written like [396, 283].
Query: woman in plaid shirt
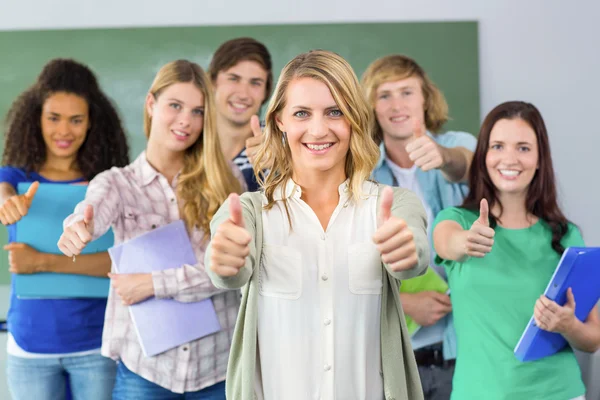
[181, 175]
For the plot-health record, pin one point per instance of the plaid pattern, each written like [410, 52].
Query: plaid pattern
[134, 200]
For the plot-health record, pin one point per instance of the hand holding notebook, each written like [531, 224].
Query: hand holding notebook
[578, 269]
[162, 324]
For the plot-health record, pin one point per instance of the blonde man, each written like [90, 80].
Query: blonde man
[410, 112]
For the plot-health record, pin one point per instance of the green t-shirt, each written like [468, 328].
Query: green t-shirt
[492, 301]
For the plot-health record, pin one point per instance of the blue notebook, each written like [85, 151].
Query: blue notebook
[579, 269]
[163, 324]
[41, 228]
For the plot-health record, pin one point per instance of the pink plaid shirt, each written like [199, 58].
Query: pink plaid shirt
[134, 200]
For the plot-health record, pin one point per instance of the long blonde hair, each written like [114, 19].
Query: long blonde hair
[206, 179]
[337, 74]
[394, 68]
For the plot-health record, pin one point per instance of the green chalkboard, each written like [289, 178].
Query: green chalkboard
[126, 60]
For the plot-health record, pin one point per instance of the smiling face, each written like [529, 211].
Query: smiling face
[512, 157]
[240, 91]
[177, 116]
[316, 130]
[64, 122]
[398, 105]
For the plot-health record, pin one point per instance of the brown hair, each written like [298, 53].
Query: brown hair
[541, 198]
[206, 179]
[242, 49]
[395, 67]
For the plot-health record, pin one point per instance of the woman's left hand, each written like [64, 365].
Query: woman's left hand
[132, 288]
[551, 317]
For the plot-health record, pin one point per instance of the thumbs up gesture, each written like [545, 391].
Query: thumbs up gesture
[230, 244]
[253, 143]
[480, 238]
[77, 235]
[16, 207]
[393, 238]
[423, 150]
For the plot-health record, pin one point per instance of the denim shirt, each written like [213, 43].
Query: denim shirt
[439, 194]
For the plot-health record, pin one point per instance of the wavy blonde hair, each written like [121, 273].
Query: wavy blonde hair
[337, 74]
[206, 179]
[394, 68]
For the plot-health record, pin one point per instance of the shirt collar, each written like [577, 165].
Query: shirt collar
[293, 190]
[146, 172]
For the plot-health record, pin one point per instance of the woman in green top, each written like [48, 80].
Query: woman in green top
[499, 259]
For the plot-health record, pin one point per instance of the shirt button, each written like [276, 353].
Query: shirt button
[153, 226]
[327, 367]
[172, 199]
[185, 349]
[324, 277]
[327, 321]
[322, 236]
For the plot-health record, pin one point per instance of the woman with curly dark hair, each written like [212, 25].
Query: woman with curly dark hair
[63, 129]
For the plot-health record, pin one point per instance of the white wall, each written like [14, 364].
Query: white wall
[543, 51]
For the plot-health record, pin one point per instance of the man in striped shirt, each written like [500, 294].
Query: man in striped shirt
[241, 72]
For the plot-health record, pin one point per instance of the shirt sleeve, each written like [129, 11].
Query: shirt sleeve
[450, 214]
[12, 175]
[573, 237]
[457, 139]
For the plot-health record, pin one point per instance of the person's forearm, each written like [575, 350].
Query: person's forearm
[449, 242]
[408, 306]
[97, 264]
[583, 336]
[457, 161]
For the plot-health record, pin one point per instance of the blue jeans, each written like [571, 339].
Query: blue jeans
[90, 377]
[132, 386]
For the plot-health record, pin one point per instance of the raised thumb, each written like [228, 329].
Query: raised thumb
[385, 206]
[255, 126]
[484, 213]
[88, 214]
[235, 210]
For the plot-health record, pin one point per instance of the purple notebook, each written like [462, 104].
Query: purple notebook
[163, 324]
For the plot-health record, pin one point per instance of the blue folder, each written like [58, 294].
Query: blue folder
[41, 228]
[578, 269]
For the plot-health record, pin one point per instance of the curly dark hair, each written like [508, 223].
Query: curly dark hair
[105, 144]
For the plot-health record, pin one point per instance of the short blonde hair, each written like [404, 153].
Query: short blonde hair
[206, 179]
[337, 74]
[396, 67]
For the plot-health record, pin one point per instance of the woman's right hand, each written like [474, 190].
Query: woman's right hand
[77, 235]
[17, 206]
[230, 245]
[480, 238]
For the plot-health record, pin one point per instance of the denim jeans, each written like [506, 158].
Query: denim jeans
[90, 377]
[132, 386]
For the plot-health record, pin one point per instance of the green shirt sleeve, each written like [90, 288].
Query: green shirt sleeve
[455, 214]
[573, 237]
